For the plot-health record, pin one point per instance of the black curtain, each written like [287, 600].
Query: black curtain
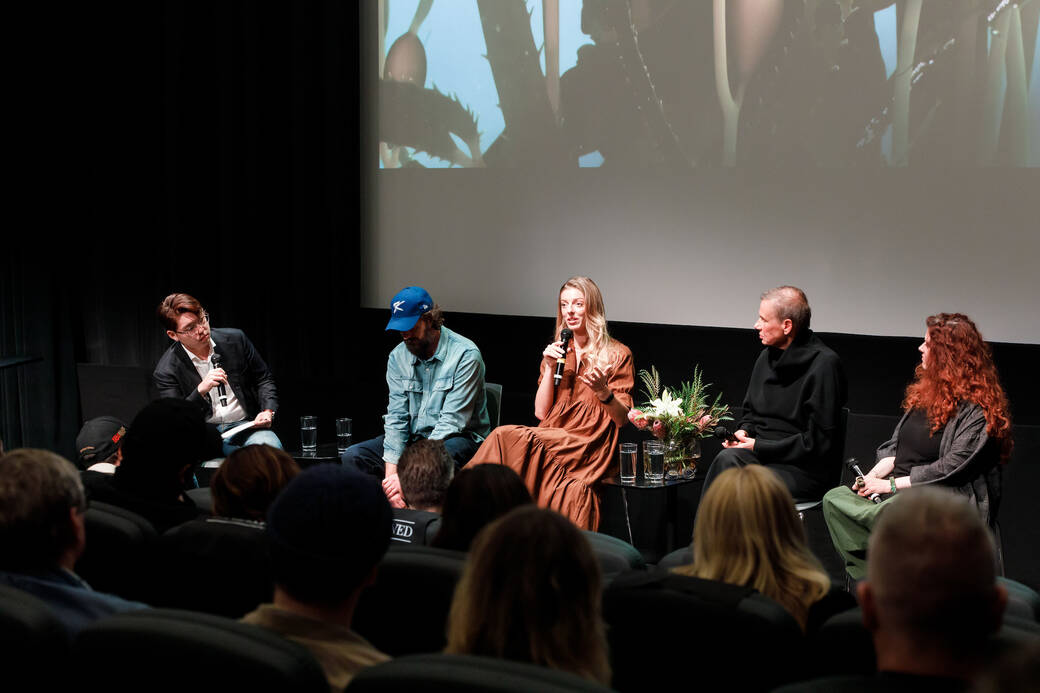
[209, 148]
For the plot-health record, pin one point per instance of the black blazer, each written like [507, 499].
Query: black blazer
[248, 375]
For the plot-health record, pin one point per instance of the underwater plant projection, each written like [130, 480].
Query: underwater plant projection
[672, 83]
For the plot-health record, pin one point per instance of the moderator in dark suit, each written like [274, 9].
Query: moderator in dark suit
[248, 375]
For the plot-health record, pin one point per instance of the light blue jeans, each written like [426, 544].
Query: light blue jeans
[251, 436]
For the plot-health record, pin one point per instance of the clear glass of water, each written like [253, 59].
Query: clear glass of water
[653, 461]
[309, 434]
[628, 454]
[344, 434]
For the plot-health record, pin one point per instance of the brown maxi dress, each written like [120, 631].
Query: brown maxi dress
[572, 448]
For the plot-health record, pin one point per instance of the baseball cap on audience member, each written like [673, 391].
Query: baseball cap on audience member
[407, 307]
[99, 439]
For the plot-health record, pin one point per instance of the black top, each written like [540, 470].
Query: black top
[793, 406]
[916, 444]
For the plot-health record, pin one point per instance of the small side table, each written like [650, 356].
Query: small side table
[325, 454]
[669, 488]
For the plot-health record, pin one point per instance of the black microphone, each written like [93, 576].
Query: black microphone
[722, 433]
[221, 390]
[565, 336]
[853, 464]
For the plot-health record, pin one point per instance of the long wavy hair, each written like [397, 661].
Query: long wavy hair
[598, 350]
[747, 533]
[531, 592]
[960, 368]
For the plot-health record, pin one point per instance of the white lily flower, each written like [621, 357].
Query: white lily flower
[666, 406]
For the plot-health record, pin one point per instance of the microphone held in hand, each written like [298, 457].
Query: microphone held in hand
[221, 389]
[853, 464]
[565, 337]
[723, 433]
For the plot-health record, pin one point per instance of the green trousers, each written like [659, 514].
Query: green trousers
[850, 518]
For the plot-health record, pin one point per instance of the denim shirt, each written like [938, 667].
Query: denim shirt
[435, 398]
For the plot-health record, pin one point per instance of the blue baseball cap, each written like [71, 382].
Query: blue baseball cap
[407, 307]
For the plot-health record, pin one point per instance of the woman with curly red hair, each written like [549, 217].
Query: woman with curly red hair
[955, 431]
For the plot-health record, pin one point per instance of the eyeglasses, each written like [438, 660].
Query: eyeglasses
[194, 327]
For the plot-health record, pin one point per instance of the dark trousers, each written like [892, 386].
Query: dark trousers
[367, 456]
[802, 485]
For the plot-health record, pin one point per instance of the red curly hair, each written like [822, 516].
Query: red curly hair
[960, 368]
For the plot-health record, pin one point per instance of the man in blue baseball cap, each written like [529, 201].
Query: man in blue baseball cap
[436, 383]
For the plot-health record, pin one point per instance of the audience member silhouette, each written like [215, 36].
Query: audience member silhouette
[477, 496]
[531, 592]
[43, 534]
[748, 533]
[930, 599]
[249, 480]
[166, 440]
[425, 471]
[328, 531]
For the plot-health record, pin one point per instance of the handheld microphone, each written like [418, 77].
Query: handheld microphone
[221, 390]
[565, 337]
[722, 433]
[853, 464]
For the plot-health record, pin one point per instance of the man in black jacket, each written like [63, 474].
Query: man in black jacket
[217, 370]
[792, 409]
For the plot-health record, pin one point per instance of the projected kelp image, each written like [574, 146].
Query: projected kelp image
[675, 83]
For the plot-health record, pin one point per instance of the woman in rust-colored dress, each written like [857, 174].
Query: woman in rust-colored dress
[574, 446]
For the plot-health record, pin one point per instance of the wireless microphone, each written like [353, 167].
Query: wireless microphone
[853, 464]
[722, 433]
[221, 390]
[565, 337]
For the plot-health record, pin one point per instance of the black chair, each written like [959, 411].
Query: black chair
[167, 649]
[665, 628]
[615, 556]
[845, 646]
[493, 393]
[465, 673]
[215, 565]
[118, 555]
[35, 645]
[406, 610]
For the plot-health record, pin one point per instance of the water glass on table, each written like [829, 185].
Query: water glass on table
[653, 461]
[309, 434]
[628, 454]
[344, 434]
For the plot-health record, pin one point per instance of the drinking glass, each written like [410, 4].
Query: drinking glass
[629, 453]
[344, 434]
[653, 461]
[309, 434]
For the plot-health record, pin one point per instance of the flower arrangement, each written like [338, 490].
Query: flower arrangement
[682, 415]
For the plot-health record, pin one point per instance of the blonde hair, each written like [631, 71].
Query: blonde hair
[598, 352]
[747, 533]
[531, 592]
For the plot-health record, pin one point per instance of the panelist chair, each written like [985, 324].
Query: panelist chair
[493, 393]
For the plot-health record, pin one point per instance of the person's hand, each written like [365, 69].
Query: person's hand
[392, 489]
[742, 441]
[263, 419]
[551, 353]
[872, 485]
[212, 379]
[595, 378]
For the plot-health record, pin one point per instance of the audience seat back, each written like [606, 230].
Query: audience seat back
[615, 556]
[665, 628]
[406, 610]
[215, 565]
[439, 673]
[119, 551]
[182, 650]
[35, 645]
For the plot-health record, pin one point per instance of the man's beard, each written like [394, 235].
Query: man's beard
[419, 347]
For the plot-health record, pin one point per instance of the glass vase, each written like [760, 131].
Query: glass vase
[680, 459]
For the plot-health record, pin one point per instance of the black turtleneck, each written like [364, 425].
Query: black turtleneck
[793, 405]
